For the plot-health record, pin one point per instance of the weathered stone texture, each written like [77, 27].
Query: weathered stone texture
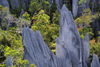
[4, 3]
[59, 4]
[22, 12]
[75, 7]
[8, 62]
[95, 61]
[71, 49]
[14, 4]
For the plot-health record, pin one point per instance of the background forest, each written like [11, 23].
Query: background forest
[43, 16]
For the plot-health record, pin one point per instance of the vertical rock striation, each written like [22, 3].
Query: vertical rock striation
[71, 49]
[74, 7]
[59, 4]
[95, 61]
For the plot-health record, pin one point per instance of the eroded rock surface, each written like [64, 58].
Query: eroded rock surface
[59, 4]
[71, 49]
[8, 62]
[95, 61]
[4, 3]
[22, 12]
[14, 4]
[75, 7]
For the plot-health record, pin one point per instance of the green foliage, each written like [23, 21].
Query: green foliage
[53, 48]
[26, 16]
[20, 22]
[94, 48]
[82, 1]
[68, 4]
[56, 17]
[84, 21]
[53, 8]
[32, 65]
[3, 11]
[12, 45]
[86, 17]
[85, 30]
[17, 10]
[34, 6]
[46, 6]
[49, 31]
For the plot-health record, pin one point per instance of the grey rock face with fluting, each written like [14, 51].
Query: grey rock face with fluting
[87, 4]
[96, 27]
[59, 4]
[95, 61]
[4, 3]
[67, 26]
[85, 51]
[36, 51]
[70, 39]
[14, 4]
[22, 12]
[23, 4]
[71, 49]
[74, 7]
[8, 62]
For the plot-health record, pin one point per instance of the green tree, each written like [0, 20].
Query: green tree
[34, 6]
[82, 1]
[56, 17]
[26, 16]
[83, 22]
[49, 31]
[20, 22]
[86, 18]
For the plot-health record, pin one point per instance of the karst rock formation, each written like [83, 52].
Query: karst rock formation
[71, 49]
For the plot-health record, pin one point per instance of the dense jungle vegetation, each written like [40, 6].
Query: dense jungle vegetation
[40, 16]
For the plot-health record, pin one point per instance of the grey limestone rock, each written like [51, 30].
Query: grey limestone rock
[96, 2]
[87, 4]
[22, 12]
[27, 2]
[4, 3]
[75, 7]
[95, 61]
[69, 39]
[23, 4]
[8, 62]
[71, 49]
[95, 27]
[59, 4]
[85, 51]
[14, 4]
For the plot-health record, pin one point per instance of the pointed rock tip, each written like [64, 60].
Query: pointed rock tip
[64, 7]
[86, 37]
